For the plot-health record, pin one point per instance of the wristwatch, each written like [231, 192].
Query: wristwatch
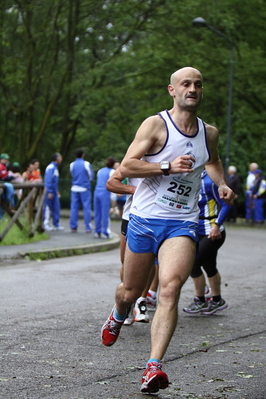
[165, 166]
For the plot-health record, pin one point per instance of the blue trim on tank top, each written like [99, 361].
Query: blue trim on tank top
[183, 134]
[167, 138]
[206, 141]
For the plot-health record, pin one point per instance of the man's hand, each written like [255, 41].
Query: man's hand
[182, 164]
[226, 194]
[50, 196]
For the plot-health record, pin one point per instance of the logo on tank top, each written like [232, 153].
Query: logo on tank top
[189, 144]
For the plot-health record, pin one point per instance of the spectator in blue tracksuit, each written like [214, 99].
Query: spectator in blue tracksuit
[259, 194]
[249, 202]
[51, 200]
[82, 174]
[102, 200]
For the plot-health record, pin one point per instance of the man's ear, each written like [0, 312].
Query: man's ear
[171, 90]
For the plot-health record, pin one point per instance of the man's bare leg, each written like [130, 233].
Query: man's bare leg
[140, 312]
[136, 312]
[136, 272]
[122, 254]
[151, 298]
[176, 258]
[155, 282]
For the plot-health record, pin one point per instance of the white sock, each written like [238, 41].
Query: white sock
[141, 299]
[152, 294]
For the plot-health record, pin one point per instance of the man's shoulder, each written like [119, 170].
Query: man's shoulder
[153, 123]
[153, 119]
[50, 166]
[80, 161]
[210, 128]
[212, 134]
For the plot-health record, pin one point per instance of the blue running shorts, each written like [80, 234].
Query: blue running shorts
[146, 235]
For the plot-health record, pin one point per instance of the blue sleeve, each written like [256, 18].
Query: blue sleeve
[91, 173]
[49, 179]
[224, 208]
[89, 170]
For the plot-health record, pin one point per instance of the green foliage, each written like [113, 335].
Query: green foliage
[16, 237]
[86, 73]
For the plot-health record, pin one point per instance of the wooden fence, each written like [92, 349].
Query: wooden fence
[31, 200]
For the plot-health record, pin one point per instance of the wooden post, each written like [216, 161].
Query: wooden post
[11, 214]
[38, 216]
[18, 212]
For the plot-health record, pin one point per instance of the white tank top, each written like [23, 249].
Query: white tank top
[174, 196]
[132, 181]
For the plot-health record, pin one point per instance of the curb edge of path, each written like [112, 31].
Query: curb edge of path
[60, 252]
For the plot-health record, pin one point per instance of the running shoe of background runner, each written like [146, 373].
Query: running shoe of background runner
[196, 306]
[214, 307]
[130, 316]
[151, 302]
[141, 312]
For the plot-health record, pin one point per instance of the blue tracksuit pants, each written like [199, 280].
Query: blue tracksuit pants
[249, 205]
[259, 210]
[51, 207]
[102, 204]
[82, 198]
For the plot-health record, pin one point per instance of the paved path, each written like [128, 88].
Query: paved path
[61, 243]
[52, 313]
[64, 243]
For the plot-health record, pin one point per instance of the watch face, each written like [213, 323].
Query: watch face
[165, 165]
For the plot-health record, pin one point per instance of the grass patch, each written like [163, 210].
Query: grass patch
[16, 237]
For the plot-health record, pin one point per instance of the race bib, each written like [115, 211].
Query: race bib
[177, 192]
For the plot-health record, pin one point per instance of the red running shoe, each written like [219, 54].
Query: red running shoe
[154, 378]
[111, 330]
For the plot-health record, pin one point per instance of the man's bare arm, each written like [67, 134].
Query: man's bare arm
[115, 185]
[214, 167]
[150, 138]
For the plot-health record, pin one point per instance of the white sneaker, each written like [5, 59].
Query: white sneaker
[151, 302]
[57, 228]
[141, 312]
[208, 293]
[106, 236]
[130, 316]
[48, 228]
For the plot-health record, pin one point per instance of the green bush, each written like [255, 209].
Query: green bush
[16, 237]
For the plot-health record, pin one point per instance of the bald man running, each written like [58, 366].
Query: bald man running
[169, 152]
